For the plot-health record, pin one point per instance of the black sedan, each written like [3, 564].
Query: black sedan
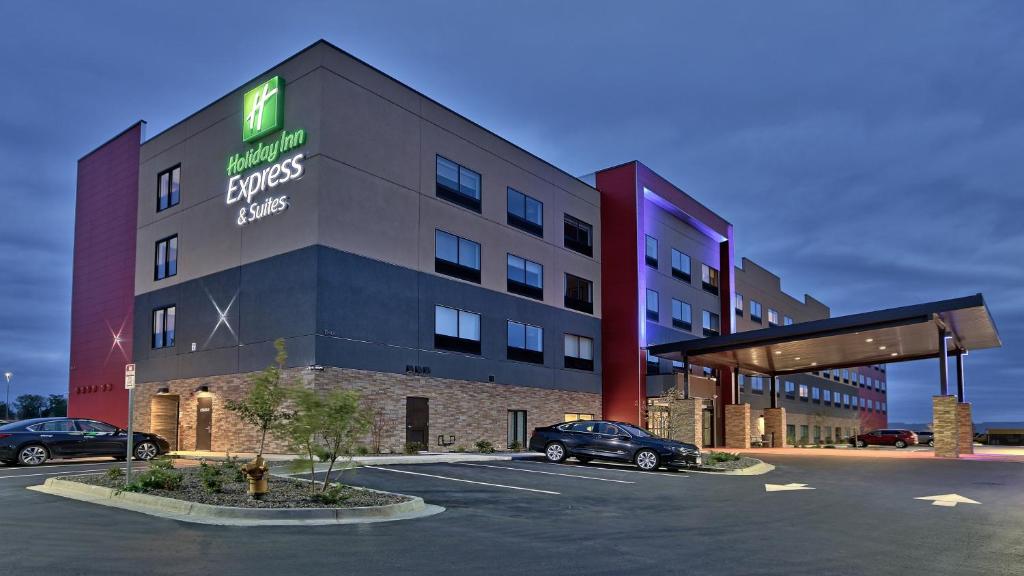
[588, 440]
[32, 442]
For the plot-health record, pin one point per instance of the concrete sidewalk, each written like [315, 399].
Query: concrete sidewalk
[376, 460]
[981, 453]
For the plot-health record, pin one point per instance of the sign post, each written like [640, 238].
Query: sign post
[129, 385]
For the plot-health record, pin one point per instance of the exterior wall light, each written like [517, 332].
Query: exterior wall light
[164, 390]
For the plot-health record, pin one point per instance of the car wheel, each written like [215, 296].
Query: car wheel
[583, 459]
[33, 455]
[647, 460]
[146, 451]
[860, 444]
[931, 443]
[901, 444]
[555, 452]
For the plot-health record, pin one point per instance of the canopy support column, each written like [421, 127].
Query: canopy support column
[960, 376]
[686, 377]
[773, 390]
[943, 364]
[736, 385]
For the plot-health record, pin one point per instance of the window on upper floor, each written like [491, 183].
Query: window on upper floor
[579, 235]
[458, 184]
[755, 311]
[168, 188]
[163, 327]
[773, 317]
[680, 265]
[816, 395]
[525, 342]
[579, 294]
[525, 212]
[786, 320]
[803, 392]
[757, 384]
[166, 264]
[456, 330]
[525, 277]
[653, 364]
[579, 352]
[456, 256]
[828, 395]
[790, 389]
[709, 279]
[651, 251]
[652, 305]
[710, 323]
[739, 304]
[682, 315]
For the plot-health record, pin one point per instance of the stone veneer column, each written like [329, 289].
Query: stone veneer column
[775, 426]
[945, 426]
[737, 426]
[966, 428]
[687, 420]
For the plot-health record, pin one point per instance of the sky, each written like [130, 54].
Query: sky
[869, 153]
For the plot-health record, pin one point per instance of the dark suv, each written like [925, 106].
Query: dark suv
[886, 437]
[588, 440]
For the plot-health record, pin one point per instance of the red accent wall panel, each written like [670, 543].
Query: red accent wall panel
[103, 278]
[623, 362]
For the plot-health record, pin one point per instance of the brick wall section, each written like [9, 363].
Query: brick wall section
[775, 423]
[470, 411]
[966, 428]
[737, 426]
[945, 426]
[687, 416]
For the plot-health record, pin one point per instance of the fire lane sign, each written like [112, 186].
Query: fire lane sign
[129, 376]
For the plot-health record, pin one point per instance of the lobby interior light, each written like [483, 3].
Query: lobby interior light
[881, 347]
[894, 354]
[777, 352]
[869, 340]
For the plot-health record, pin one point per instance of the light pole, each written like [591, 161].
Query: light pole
[7, 400]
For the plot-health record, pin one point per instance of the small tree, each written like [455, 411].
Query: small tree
[262, 407]
[379, 419]
[326, 425]
[56, 405]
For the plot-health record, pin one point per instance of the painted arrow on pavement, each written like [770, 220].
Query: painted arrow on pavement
[784, 487]
[948, 500]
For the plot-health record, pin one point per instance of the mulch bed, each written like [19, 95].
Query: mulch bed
[743, 462]
[284, 492]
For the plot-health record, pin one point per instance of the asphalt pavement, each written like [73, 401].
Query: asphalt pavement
[816, 516]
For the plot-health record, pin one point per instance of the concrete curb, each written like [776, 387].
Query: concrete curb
[233, 516]
[420, 459]
[755, 470]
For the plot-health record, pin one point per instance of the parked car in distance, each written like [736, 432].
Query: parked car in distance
[886, 437]
[33, 442]
[588, 440]
[926, 437]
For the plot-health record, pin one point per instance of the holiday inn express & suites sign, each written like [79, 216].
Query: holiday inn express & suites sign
[267, 162]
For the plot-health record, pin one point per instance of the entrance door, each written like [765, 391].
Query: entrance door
[204, 422]
[417, 420]
[708, 424]
[163, 410]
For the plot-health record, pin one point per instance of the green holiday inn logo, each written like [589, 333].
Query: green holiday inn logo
[263, 109]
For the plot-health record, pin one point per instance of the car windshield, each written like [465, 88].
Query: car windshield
[637, 432]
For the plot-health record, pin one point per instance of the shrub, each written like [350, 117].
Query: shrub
[716, 457]
[211, 478]
[160, 476]
[115, 474]
[232, 469]
[459, 449]
[362, 450]
[333, 496]
[484, 447]
[414, 447]
[515, 446]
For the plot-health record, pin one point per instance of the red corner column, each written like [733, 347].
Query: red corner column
[623, 362]
[103, 280]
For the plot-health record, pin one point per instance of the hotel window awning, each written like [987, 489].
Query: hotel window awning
[880, 337]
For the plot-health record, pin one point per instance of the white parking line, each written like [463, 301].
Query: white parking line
[549, 473]
[618, 469]
[464, 480]
[53, 473]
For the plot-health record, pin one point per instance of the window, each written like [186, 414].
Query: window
[458, 184]
[878, 406]
[677, 366]
[681, 315]
[579, 236]
[574, 416]
[817, 434]
[579, 294]
[755, 311]
[579, 352]
[846, 375]
[456, 256]
[517, 429]
[651, 251]
[791, 434]
[166, 258]
[773, 317]
[863, 404]
[163, 327]
[709, 278]
[456, 330]
[816, 395]
[680, 265]
[710, 323]
[525, 342]
[786, 321]
[739, 305]
[168, 186]
[525, 212]
[803, 392]
[525, 277]
[94, 426]
[652, 305]
[653, 364]
[836, 374]
[884, 407]
[846, 400]
[757, 384]
[828, 396]
[803, 434]
[54, 426]
[790, 389]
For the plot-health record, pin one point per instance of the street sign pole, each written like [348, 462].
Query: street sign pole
[129, 383]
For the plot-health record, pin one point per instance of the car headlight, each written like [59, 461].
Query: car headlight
[688, 451]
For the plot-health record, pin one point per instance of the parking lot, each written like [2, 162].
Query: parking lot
[809, 516]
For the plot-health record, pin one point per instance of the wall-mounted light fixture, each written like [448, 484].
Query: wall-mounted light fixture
[203, 389]
[164, 390]
[315, 368]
